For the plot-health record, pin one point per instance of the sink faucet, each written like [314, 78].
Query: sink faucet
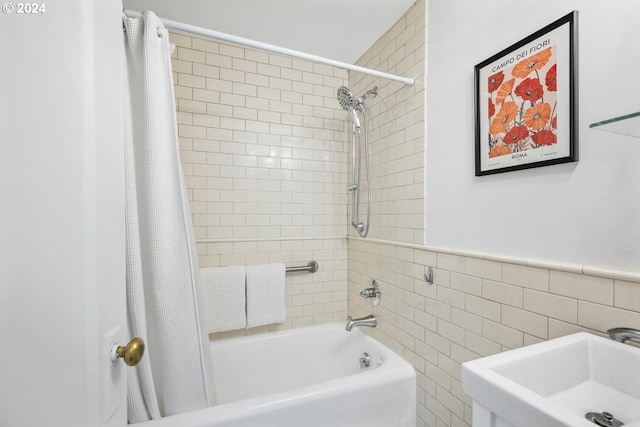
[369, 320]
[623, 334]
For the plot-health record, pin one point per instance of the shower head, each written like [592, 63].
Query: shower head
[345, 98]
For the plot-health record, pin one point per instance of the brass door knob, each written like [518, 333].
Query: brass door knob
[131, 354]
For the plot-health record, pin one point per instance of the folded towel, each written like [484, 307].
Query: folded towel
[223, 289]
[265, 294]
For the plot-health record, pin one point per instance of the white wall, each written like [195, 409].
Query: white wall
[583, 213]
[61, 221]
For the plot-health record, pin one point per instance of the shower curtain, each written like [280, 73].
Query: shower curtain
[163, 302]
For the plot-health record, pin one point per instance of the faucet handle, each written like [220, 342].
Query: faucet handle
[372, 292]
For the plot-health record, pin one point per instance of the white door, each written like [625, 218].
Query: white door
[62, 288]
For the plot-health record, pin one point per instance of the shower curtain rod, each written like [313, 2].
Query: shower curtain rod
[191, 29]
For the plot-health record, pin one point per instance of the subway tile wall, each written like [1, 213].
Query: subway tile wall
[397, 129]
[476, 307]
[263, 144]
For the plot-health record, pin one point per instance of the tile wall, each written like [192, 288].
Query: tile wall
[397, 129]
[476, 307]
[263, 144]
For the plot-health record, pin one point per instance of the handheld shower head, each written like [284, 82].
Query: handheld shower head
[359, 139]
[345, 98]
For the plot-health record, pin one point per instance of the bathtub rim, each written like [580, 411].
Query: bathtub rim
[394, 371]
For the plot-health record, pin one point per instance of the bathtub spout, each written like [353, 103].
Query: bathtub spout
[369, 320]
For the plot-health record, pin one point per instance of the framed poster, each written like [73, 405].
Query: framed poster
[526, 101]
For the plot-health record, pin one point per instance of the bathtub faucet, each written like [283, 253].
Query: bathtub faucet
[369, 320]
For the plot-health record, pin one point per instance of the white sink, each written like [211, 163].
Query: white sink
[555, 383]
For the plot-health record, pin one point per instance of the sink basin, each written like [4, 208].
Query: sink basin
[555, 383]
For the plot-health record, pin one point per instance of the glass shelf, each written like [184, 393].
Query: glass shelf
[625, 125]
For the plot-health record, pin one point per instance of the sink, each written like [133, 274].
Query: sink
[555, 383]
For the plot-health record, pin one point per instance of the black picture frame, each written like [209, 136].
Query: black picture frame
[526, 106]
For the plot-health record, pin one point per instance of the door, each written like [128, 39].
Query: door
[62, 288]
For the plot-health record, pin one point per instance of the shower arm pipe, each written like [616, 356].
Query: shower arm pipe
[217, 35]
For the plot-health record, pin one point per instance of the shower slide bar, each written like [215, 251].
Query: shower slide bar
[311, 267]
[192, 29]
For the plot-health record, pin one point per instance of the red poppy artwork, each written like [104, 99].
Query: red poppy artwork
[523, 104]
[525, 111]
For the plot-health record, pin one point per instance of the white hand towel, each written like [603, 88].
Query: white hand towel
[223, 289]
[265, 294]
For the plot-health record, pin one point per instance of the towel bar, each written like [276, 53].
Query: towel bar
[311, 267]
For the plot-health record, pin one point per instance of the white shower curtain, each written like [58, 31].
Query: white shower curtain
[163, 299]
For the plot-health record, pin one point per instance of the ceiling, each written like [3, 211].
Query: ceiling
[341, 30]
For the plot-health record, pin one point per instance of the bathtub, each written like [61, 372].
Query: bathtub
[305, 377]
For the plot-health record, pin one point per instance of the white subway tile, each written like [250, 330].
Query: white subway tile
[627, 295]
[508, 337]
[499, 292]
[557, 307]
[219, 85]
[601, 317]
[190, 55]
[451, 262]
[234, 51]
[466, 283]
[180, 40]
[205, 45]
[482, 268]
[189, 131]
[245, 114]
[525, 321]
[221, 61]
[245, 89]
[560, 329]
[527, 277]
[244, 65]
[192, 81]
[280, 84]
[256, 56]
[580, 286]
[206, 71]
[233, 124]
[208, 96]
[183, 67]
[232, 75]
[482, 307]
[232, 99]
[481, 345]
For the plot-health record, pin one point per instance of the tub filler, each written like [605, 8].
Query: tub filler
[315, 376]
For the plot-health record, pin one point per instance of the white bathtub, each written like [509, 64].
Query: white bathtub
[307, 377]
